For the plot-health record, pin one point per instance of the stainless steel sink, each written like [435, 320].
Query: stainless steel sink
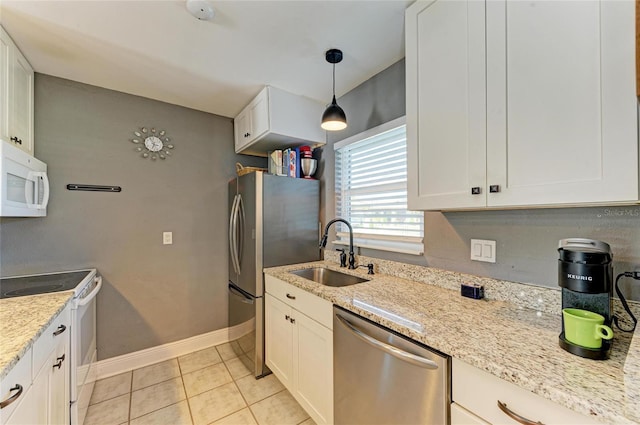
[328, 277]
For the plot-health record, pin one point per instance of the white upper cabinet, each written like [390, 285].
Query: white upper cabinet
[446, 117]
[16, 96]
[513, 104]
[276, 119]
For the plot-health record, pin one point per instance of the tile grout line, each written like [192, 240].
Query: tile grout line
[186, 396]
[130, 399]
[246, 405]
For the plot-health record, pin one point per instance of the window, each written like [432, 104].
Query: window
[371, 191]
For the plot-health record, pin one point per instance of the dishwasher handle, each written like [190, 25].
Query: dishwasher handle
[389, 349]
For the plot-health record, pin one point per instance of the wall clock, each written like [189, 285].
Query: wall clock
[152, 143]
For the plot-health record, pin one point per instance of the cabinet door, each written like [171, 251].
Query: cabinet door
[28, 412]
[21, 102]
[446, 111]
[59, 391]
[279, 339]
[561, 106]
[259, 112]
[5, 48]
[242, 128]
[34, 409]
[313, 368]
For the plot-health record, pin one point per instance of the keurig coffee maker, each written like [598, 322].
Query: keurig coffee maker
[585, 275]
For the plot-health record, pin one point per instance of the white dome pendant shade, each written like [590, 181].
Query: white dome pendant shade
[334, 118]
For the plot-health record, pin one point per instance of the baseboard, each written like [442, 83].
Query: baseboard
[138, 359]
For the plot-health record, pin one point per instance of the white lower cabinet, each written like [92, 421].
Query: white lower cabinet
[313, 366]
[477, 395]
[279, 339]
[15, 390]
[299, 346]
[44, 376]
[58, 385]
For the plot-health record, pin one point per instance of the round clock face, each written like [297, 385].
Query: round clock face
[153, 143]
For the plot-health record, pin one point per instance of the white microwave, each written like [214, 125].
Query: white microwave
[24, 186]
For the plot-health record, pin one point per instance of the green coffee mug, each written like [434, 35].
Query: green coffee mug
[585, 328]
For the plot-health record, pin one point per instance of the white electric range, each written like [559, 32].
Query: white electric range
[85, 285]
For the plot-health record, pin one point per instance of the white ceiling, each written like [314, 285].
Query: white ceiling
[156, 49]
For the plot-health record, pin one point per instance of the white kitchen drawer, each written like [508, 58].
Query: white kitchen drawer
[479, 392]
[48, 340]
[20, 374]
[461, 416]
[312, 305]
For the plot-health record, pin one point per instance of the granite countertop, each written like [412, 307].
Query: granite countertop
[516, 340]
[22, 321]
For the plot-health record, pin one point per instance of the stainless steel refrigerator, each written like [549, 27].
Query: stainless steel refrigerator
[273, 221]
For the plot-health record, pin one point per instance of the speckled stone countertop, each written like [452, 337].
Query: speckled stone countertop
[22, 320]
[512, 333]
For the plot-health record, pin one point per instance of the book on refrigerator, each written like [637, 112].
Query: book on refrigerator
[285, 162]
[294, 163]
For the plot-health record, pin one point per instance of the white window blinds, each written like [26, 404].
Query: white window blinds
[371, 190]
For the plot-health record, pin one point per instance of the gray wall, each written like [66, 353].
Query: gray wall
[153, 293]
[526, 239]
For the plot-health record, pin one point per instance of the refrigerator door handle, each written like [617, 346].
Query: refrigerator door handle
[233, 249]
[243, 298]
[240, 235]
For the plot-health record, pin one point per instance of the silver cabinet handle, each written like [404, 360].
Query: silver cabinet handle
[494, 188]
[513, 415]
[61, 329]
[13, 398]
[476, 190]
[389, 349]
[59, 364]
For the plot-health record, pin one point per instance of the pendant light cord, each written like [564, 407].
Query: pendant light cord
[334, 80]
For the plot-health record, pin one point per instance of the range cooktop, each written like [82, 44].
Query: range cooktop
[41, 284]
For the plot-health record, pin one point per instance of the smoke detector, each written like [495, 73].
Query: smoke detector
[201, 9]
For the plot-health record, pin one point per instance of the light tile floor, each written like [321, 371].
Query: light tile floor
[211, 386]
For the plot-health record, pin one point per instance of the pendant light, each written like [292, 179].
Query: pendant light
[334, 117]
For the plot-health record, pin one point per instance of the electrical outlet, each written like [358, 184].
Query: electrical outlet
[167, 238]
[483, 250]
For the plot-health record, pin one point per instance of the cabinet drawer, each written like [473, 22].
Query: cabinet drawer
[56, 331]
[19, 375]
[479, 392]
[461, 416]
[312, 305]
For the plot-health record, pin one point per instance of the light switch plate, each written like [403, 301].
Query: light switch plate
[483, 250]
[167, 238]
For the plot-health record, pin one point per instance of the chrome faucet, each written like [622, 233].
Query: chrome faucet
[323, 241]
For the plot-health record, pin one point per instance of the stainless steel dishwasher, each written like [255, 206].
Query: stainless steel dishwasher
[381, 377]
